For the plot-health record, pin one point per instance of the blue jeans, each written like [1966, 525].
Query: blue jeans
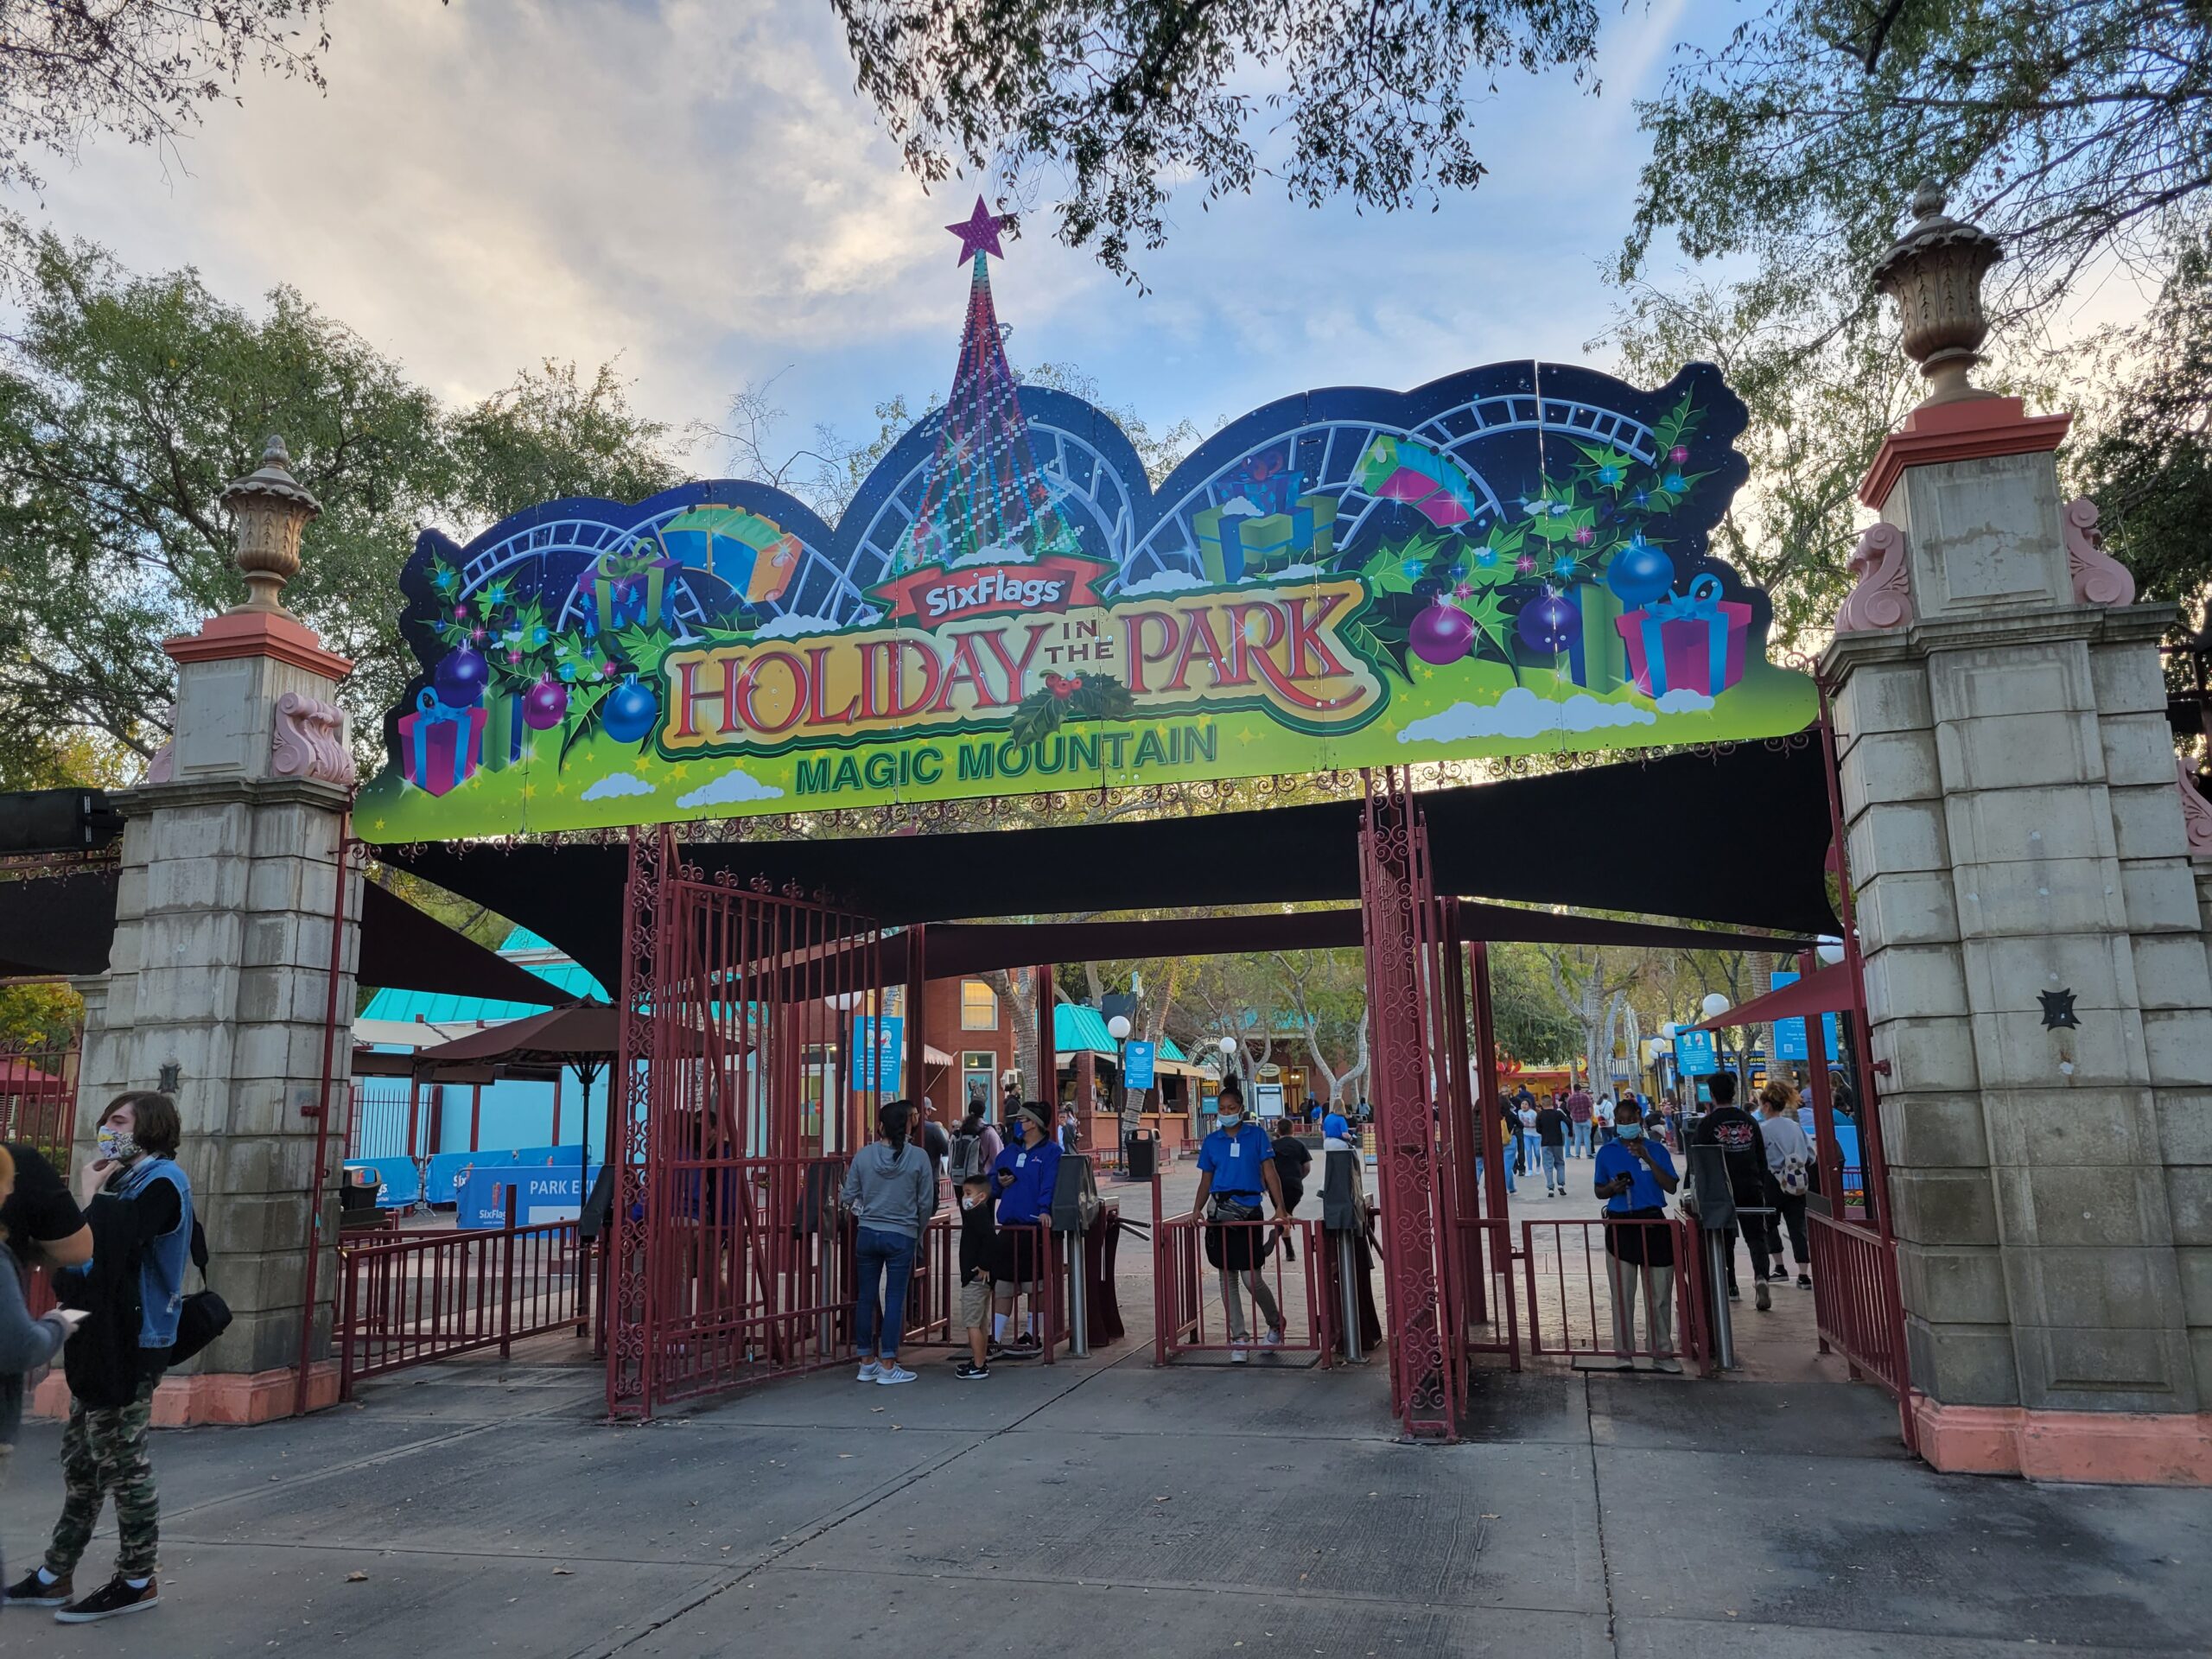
[1581, 1138]
[887, 1261]
[1554, 1168]
[1509, 1172]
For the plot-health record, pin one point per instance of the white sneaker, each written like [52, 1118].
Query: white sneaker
[1272, 1339]
[893, 1374]
[1238, 1355]
[869, 1371]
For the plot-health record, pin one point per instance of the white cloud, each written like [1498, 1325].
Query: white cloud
[732, 786]
[791, 628]
[616, 784]
[1683, 701]
[1521, 713]
[1164, 581]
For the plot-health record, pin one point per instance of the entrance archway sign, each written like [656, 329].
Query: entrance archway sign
[1513, 559]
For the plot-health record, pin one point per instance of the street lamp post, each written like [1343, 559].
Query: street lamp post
[1118, 1029]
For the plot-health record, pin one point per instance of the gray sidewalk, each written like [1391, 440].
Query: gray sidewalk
[1107, 1508]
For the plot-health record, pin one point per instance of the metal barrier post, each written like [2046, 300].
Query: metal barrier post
[507, 1278]
[346, 1265]
[1723, 1335]
[1348, 1292]
[1160, 1292]
[1078, 1300]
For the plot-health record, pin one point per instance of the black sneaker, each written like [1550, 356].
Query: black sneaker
[31, 1591]
[1804, 1281]
[967, 1372]
[113, 1598]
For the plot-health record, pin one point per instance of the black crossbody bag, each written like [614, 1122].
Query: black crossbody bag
[203, 1315]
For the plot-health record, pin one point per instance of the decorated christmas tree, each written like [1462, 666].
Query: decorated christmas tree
[984, 488]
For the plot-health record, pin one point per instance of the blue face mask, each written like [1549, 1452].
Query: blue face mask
[1628, 1132]
[1230, 1120]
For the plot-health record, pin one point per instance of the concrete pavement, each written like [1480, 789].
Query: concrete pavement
[1108, 1508]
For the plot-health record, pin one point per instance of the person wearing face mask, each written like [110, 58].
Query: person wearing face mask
[1634, 1173]
[26, 1343]
[1024, 1176]
[1236, 1166]
[979, 1237]
[138, 1203]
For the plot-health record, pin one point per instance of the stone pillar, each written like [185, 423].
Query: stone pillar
[2035, 968]
[219, 980]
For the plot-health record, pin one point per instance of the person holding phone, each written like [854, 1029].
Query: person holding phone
[138, 1203]
[26, 1344]
[1634, 1173]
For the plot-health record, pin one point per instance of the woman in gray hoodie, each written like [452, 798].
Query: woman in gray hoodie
[26, 1343]
[890, 1189]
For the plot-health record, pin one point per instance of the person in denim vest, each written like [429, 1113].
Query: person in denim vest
[138, 1203]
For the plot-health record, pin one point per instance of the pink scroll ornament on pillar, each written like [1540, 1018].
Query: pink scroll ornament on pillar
[2099, 578]
[309, 740]
[1882, 599]
[2196, 811]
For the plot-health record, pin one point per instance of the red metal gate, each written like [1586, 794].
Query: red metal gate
[1404, 934]
[731, 1262]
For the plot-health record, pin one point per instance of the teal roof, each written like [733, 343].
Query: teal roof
[571, 978]
[1076, 1027]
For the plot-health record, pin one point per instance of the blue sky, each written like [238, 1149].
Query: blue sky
[695, 189]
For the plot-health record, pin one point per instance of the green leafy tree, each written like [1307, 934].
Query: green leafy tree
[1112, 101]
[127, 403]
[2075, 130]
[142, 70]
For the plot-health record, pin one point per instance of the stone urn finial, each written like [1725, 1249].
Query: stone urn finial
[270, 509]
[1934, 271]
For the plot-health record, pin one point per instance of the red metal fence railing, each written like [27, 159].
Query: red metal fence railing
[932, 1316]
[38, 1098]
[1856, 1298]
[1489, 1300]
[1189, 1316]
[1582, 1275]
[406, 1299]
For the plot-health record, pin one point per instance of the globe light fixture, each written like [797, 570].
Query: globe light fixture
[1714, 1005]
[1118, 1028]
[1670, 1031]
[1228, 1046]
[1829, 951]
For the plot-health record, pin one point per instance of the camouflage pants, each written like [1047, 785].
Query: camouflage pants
[104, 1452]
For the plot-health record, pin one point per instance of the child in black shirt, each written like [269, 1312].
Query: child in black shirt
[978, 1243]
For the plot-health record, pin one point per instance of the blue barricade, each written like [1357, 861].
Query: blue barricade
[541, 1194]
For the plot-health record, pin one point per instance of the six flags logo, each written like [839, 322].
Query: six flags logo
[945, 594]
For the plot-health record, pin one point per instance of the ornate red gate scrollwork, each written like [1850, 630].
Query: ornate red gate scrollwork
[740, 1007]
[1403, 928]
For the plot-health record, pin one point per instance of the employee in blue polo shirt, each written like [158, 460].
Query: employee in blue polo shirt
[1024, 1177]
[1634, 1173]
[1236, 1165]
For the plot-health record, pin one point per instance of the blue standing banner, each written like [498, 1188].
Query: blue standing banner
[1790, 1039]
[1695, 1054]
[1137, 1064]
[878, 1050]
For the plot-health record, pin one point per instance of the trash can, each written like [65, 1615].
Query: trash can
[1142, 1154]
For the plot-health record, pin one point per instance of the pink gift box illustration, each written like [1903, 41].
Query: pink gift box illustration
[440, 746]
[1687, 642]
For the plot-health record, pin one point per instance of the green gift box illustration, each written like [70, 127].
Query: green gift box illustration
[628, 587]
[1237, 540]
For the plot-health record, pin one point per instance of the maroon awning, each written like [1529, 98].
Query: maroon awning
[1831, 990]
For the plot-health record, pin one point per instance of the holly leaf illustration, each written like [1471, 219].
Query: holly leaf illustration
[1036, 716]
[1100, 696]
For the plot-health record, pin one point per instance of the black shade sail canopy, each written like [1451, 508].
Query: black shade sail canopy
[1739, 836]
[57, 925]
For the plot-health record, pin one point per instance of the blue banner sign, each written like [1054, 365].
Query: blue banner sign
[1789, 1035]
[1136, 1064]
[541, 1194]
[878, 1046]
[1694, 1055]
